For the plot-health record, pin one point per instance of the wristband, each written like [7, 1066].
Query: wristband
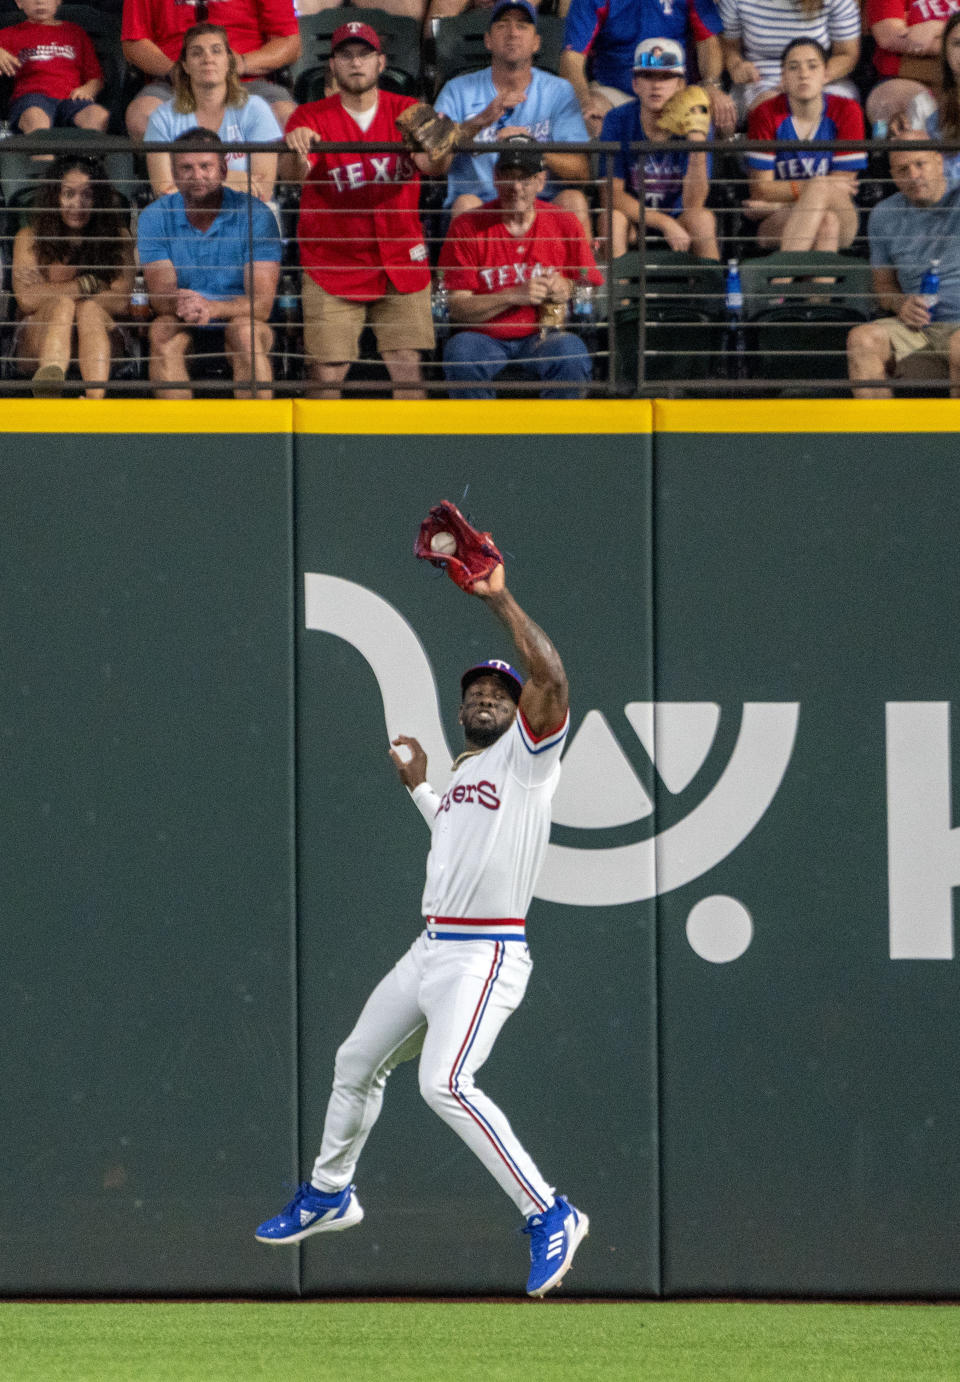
[795, 190]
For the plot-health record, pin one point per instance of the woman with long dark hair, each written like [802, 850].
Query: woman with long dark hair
[73, 270]
[941, 118]
[207, 91]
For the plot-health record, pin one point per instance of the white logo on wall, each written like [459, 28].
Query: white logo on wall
[599, 788]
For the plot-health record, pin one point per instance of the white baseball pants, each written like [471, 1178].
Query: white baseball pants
[446, 1001]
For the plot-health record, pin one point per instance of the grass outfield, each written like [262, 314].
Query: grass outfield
[459, 1341]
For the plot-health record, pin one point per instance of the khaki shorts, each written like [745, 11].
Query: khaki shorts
[332, 325]
[910, 340]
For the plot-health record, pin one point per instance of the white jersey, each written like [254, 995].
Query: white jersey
[490, 831]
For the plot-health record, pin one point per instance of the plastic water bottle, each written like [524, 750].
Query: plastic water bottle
[734, 305]
[930, 288]
[5, 131]
[287, 302]
[582, 300]
[139, 300]
[440, 300]
[287, 299]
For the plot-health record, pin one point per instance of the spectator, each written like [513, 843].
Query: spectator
[675, 185]
[208, 92]
[511, 96]
[204, 276]
[600, 40]
[263, 34]
[941, 119]
[804, 200]
[755, 33]
[918, 224]
[908, 36]
[72, 276]
[446, 9]
[510, 270]
[55, 71]
[361, 241]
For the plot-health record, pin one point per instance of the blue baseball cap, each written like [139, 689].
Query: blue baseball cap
[523, 6]
[512, 678]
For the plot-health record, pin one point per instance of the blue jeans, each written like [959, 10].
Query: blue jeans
[560, 357]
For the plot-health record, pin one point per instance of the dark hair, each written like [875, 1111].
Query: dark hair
[200, 135]
[949, 94]
[804, 43]
[101, 243]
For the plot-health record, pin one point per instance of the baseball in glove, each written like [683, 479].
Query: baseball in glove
[687, 112]
[449, 541]
[427, 131]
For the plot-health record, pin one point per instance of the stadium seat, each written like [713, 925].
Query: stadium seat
[796, 327]
[683, 318]
[399, 35]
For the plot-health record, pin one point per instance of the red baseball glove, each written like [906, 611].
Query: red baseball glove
[449, 541]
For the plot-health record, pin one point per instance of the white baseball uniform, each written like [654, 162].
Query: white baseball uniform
[450, 994]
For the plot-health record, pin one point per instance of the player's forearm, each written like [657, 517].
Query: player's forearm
[573, 68]
[534, 648]
[276, 53]
[568, 167]
[473, 308]
[147, 56]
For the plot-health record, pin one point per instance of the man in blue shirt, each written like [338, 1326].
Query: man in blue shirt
[510, 97]
[211, 259]
[917, 227]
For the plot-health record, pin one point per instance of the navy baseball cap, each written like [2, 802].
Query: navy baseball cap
[525, 9]
[512, 678]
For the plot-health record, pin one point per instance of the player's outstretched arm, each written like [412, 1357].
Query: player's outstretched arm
[545, 698]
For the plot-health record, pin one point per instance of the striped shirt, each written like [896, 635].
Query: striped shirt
[765, 27]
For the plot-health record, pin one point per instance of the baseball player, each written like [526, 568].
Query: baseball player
[447, 999]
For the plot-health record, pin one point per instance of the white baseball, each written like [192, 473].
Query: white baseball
[444, 543]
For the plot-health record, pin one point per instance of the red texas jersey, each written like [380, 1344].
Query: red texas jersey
[359, 220]
[481, 256]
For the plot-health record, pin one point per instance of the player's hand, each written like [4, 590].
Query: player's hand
[914, 313]
[9, 65]
[413, 770]
[87, 92]
[593, 112]
[532, 293]
[493, 585]
[756, 207]
[559, 288]
[301, 140]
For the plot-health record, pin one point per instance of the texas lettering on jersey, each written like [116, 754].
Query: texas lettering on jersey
[371, 168]
[803, 166]
[472, 793]
[508, 275]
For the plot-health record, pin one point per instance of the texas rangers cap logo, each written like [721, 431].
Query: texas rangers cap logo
[355, 32]
[494, 664]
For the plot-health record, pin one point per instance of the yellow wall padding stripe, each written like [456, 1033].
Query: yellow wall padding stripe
[135, 415]
[474, 417]
[807, 415]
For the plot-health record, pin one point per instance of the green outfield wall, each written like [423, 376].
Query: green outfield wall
[738, 1048]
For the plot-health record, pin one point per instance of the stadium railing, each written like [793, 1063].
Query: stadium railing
[662, 324]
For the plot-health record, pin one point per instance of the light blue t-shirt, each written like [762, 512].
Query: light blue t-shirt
[253, 123]
[210, 262]
[550, 111]
[906, 238]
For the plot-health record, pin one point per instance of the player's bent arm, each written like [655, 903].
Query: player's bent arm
[568, 167]
[468, 308]
[844, 55]
[573, 68]
[623, 201]
[545, 697]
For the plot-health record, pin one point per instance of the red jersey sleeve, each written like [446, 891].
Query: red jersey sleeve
[459, 261]
[848, 118]
[136, 21]
[90, 68]
[884, 9]
[277, 18]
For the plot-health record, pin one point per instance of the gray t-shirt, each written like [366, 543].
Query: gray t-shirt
[905, 238]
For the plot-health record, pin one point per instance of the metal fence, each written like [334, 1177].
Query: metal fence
[662, 322]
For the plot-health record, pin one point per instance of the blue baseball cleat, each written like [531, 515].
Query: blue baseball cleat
[554, 1238]
[311, 1211]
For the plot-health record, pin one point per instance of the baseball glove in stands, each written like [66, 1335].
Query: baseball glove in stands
[687, 112]
[427, 131]
[475, 555]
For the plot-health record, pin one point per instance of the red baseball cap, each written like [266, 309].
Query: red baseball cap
[362, 33]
